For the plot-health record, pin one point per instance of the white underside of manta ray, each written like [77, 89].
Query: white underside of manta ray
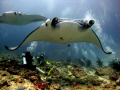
[18, 18]
[63, 31]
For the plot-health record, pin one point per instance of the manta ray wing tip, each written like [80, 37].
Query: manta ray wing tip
[6, 47]
[11, 49]
[108, 52]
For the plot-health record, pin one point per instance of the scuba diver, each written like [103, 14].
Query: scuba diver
[99, 62]
[88, 63]
[81, 62]
[85, 61]
[115, 64]
[41, 60]
[27, 59]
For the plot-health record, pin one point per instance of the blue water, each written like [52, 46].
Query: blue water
[106, 14]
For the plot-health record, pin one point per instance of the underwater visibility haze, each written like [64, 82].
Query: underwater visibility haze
[105, 13]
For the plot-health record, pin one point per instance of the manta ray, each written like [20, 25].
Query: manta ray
[18, 18]
[63, 31]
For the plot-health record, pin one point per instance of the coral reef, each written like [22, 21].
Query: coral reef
[59, 76]
[14, 82]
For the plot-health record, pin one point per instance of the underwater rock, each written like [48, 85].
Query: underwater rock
[61, 70]
[94, 80]
[104, 71]
[17, 78]
[113, 83]
[75, 66]
[80, 87]
[90, 80]
[82, 80]
[14, 82]
[32, 72]
[55, 87]
[55, 72]
[118, 81]
[109, 71]
[43, 77]
[3, 81]
[69, 67]
[70, 78]
[9, 58]
[25, 75]
[13, 70]
[48, 79]
[4, 73]
[62, 75]
[57, 64]
[78, 72]
[33, 78]
[109, 86]
[100, 72]
[105, 80]
[89, 85]
[114, 77]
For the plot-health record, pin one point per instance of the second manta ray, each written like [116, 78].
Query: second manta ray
[63, 31]
[18, 18]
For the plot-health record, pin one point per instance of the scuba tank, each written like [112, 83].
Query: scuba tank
[24, 61]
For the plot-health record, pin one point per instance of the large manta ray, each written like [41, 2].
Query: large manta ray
[18, 18]
[63, 31]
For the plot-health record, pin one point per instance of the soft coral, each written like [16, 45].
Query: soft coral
[41, 85]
